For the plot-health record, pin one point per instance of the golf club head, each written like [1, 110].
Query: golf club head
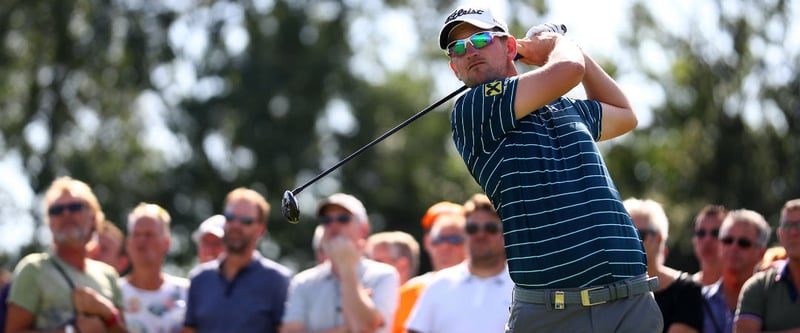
[289, 207]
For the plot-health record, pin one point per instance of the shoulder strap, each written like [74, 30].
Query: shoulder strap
[63, 274]
[71, 287]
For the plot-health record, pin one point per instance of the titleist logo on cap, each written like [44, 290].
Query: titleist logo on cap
[462, 12]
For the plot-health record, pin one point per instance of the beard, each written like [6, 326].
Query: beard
[237, 243]
[72, 235]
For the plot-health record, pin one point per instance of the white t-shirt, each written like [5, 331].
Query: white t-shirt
[155, 311]
[457, 301]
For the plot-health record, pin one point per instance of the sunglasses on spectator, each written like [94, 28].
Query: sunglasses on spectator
[449, 239]
[72, 207]
[246, 220]
[341, 219]
[788, 226]
[741, 242]
[644, 233]
[702, 233]
[478, 41]
[490, 227]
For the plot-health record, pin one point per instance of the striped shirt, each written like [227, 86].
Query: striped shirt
[564, 223]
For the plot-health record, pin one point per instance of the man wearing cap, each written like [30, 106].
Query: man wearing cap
[444, 235]
[347, 292]
[241, 291]
[573, 252]
[208, 238]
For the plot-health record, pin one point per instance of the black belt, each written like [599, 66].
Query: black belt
[587, 297]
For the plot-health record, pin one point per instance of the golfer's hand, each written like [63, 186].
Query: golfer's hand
[536, 49]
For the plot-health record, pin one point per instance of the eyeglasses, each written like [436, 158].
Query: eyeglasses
[702, 233]
[490, 227]
[246, 220]
[449, 239]
[341, 218]
[72, 207]
[788, 226]
[743, 243]
[478, 41]
[644, 233]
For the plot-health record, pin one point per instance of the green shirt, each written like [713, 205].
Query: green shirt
[770, 297]
[39, 288]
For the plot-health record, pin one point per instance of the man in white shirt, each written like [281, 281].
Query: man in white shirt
[154, 301]
[475, 295]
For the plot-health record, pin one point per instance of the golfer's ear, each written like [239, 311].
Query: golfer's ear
[511, 47]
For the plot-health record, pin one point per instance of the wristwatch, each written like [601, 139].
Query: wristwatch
[69, 328]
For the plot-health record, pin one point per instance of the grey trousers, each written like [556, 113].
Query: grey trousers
[636, 315]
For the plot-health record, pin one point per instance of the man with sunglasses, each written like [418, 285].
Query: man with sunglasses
[444, 240]
[743, 239]
[706, 243]
[678, 296]
[770, 300]
[241, 291]
[473, 296]
[63, 290]
[571, 246]
[347, 292]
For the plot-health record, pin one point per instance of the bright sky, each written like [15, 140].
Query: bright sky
[593, 24]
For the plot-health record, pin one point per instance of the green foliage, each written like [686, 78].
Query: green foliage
[179, 105]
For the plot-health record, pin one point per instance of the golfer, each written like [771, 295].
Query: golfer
[573, 252]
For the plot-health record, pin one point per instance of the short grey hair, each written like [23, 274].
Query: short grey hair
[750, 217]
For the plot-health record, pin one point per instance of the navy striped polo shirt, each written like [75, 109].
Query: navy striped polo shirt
[564, 224]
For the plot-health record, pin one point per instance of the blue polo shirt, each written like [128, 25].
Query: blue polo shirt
[252, 302]
[563, 221]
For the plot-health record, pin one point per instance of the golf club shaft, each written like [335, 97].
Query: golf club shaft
[379, 139]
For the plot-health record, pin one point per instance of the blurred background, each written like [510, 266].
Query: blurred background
[178, 102]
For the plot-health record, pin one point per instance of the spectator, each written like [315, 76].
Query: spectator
[395, 248]
[473, 296]
[445, 243]
[209, 238]
[446, 246]
[427, 221]
[109, 247]
[316, 244]
[400, 250]
[773, 257]
[154, 301]
[706, 243]
[63, 290]
[535, 154]
[769, 301]
[347, 292]
[678, 296]
[241, 291]
[743, 240]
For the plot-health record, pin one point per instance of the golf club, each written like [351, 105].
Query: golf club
[289, 206]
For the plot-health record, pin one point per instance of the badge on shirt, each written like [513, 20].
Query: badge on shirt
[493, 89]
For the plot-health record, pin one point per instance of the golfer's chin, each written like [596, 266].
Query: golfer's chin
[476, 78]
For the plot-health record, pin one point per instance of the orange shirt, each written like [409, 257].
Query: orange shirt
[409, 293]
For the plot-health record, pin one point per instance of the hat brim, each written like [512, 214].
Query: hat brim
[444, 34]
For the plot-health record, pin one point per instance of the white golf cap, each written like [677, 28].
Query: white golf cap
[479, 16]
[213, 225]
[348, 202]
